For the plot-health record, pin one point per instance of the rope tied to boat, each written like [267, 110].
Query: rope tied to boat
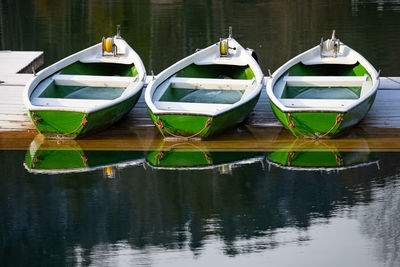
[290, 156]
[36, 119]
[83, 157]
[338, 158]
[339, 119]
[159, 156]
[161, 153]
[83, 123]
[393, 80]
[36, 159]
[160, 125]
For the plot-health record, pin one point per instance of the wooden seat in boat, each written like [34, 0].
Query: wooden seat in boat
[92, 80]
[323, 91]
[94, 90]
[228, 90]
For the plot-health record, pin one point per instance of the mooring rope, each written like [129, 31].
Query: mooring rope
[339, 118]
[393, 80]
[162, 127]
[83, 157]
[161, 153]
[36, 120]
[83, 123]
[36, 159]
[338, 158]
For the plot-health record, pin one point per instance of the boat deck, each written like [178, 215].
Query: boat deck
[379, 131]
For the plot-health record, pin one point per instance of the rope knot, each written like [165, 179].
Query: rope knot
[35, 161]
[84, 159]
[290, 156]
[290, 121]
[339, 159]
[35, 118]
[84, 121]
[208, 157]
[339, 118]
[159, 156]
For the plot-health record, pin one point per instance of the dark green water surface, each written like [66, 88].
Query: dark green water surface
[164, 31]
[236, 208]
[202, 208]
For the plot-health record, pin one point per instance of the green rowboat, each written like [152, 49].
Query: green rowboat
[51, 157]
[316, 155]
[87, 91]
[195, 156]
[206, 92]
[323, 91]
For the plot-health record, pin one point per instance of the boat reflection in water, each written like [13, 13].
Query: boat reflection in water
[211, 203]
[197, 156]
[312, 155]
[57, 156]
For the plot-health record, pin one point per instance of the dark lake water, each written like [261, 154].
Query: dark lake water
[200, 208]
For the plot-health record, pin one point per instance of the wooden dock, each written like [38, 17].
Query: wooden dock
[379, 131]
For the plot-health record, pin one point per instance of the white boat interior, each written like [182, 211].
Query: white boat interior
[321, 91]
[64, 90]
[201, 94]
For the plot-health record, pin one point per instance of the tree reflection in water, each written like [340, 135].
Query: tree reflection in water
[46, 218]
[380, 221]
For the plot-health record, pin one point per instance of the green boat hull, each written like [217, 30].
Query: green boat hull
[72, 125]
[319, 155]
[73, 158]
[322, 124]
[196, 157]
[198, 126]
[314, 123]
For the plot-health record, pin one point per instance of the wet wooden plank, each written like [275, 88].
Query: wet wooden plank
[385, 112]
[263, 139]
[20, 61]
[389, 83]
[20, 79]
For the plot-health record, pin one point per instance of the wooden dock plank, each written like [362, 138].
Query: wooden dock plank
[384, 113]
[20, 79]
[20, 61]
[389, 83]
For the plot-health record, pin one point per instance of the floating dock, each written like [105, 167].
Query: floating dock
[378, 131]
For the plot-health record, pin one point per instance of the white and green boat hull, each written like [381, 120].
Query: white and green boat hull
[200, 126]
[73, 124]
[322, 124]
[205, 93]
[324, 91]
[85, 92]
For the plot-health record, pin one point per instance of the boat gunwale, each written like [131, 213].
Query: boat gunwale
[311, 52]
[326, 169]
[246, 161]
[119, 165]
[209, 52]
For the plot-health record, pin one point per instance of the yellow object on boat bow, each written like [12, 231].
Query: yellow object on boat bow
[108, 45]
